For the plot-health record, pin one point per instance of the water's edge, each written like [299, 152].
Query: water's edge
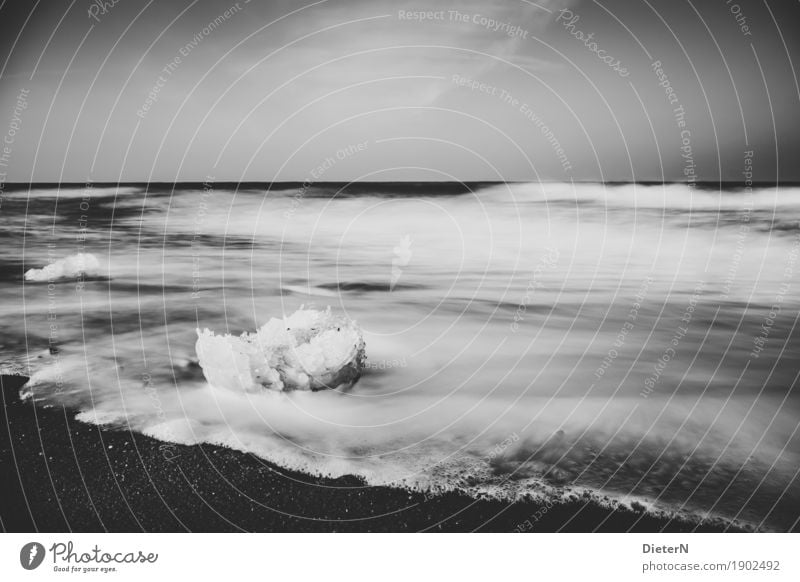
[80, 477]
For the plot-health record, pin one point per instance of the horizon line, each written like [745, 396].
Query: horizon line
[248, 183]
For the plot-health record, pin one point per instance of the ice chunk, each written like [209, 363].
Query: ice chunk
[309, 350]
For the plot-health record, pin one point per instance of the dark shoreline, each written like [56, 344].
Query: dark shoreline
[62, 475]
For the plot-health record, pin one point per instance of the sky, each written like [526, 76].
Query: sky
[340, 90]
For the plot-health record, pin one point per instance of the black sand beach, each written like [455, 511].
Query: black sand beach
[62, 475]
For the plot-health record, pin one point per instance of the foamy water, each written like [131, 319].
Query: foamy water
[631, 341]
[79, 265]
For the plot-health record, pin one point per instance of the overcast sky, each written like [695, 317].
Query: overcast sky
[186, 90]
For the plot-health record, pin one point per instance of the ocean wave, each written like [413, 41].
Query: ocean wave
[670, 196]
[71, 267]
[592, 449]
[73, 192]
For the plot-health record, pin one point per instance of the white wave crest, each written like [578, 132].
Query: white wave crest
[71, 267]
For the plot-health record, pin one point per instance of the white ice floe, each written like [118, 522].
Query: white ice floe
[309, 350]
[71, 267]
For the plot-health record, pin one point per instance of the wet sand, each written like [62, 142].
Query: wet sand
[63, 475]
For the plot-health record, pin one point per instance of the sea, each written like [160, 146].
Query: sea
[630, 344]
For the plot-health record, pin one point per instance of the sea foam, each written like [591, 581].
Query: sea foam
[71, 267]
